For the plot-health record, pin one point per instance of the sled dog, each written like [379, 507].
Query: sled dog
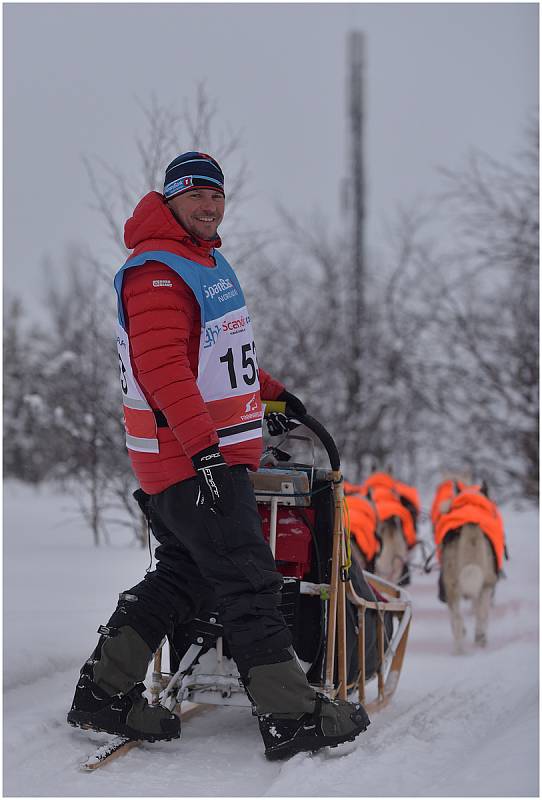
[468, 571]
[393, 556]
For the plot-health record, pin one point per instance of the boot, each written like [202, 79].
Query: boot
[293, 718]
[109, 693]
[331, 723]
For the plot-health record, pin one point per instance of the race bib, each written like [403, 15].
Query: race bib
[228, 368]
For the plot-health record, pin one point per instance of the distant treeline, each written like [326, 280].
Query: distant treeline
[448, 376]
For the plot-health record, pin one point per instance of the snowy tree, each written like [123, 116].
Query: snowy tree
[80, 425]
[165, 132]
[473, 313]
[301, 299]
[450, 328]
[23, 412]
[497, 211]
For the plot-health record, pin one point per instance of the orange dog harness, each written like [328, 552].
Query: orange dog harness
[470, 505]
[385, 494]
[363, 524]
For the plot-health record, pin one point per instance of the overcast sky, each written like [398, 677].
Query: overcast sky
[441, 78]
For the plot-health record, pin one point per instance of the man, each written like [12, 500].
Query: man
[193, 414]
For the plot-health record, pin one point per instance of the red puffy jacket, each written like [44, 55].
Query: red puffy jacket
[163, 324]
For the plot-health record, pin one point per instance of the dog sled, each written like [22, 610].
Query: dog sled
[349, 627]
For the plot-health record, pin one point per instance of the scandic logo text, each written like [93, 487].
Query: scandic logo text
[235, 324]
[212, 332]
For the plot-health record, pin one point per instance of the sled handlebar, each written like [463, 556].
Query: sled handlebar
[313, 425]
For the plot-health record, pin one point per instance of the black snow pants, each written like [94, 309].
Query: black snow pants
[209, 562]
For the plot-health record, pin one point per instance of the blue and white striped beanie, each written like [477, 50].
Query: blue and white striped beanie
[192, 171]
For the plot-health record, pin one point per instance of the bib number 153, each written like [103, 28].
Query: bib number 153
[241, 365]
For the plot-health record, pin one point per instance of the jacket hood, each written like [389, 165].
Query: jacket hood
[152, 220]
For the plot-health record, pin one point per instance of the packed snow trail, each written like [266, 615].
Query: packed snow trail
[457, 726]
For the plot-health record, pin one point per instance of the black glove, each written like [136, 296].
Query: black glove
[294, 406]
[216, 489]
[278, 423]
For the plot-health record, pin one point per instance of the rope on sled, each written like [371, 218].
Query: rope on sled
[345, 568]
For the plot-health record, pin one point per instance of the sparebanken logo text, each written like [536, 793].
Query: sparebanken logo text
[219, 286]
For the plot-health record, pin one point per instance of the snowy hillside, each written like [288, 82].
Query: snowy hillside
[458, 726]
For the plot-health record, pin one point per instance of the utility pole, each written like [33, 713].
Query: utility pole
[356, 208]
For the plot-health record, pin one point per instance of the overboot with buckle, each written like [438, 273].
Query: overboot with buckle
[293, 718]
[109, 693]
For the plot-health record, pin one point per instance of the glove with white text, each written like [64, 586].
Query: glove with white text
[216, 489]
[279, 423]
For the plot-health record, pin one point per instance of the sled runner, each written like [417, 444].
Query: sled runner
[349, 628]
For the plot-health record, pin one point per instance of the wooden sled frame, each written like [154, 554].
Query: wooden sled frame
[390, 661]
[396, 602]
[222, 689]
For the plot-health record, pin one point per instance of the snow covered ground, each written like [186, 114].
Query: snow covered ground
[458, 725]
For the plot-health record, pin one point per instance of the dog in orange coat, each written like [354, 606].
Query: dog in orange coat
[469, 535]
[396, 524]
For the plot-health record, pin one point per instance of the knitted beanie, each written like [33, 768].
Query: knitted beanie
[192, 171]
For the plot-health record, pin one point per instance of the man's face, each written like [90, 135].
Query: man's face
[200, 211]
